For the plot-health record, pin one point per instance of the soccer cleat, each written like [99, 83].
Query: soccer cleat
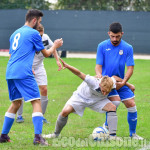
[20, 119]
[50, 136]
[44, 120]
[114, 138]
[136, 137]
[4, 138]
[105, 126]
[40, 141]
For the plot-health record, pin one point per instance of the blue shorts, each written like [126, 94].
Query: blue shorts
[124, 93]
[26, 89]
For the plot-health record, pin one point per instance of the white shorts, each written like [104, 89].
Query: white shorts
[79, 104]
[40, 75]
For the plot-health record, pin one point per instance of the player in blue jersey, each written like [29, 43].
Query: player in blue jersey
[112, 56]
[24, 42]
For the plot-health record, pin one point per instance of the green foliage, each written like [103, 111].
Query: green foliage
[119, 5]
[24, 4]
[61, 85]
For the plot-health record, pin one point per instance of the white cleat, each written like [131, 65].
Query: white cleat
[114, 138]
[50, 136]
[104, 126]
[136, 137]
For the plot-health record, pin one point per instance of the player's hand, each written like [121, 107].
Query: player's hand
[33, 72]
[64, 64]
[132, 87]
[99, 76]
[59, 65]
[119, 85]
[58, 43]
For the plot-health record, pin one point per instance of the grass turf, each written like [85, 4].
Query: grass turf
[60, 87]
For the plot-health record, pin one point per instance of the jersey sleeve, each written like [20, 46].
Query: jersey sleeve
[91, 81]
[50, 42]
[37, 41]
[130, 60]
[99, 56]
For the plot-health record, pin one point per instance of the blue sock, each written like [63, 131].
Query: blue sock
[37, 119]
[8, 122]
[106, 124]
[132, 120]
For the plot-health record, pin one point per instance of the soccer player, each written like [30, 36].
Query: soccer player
[40, 74]
[24, 42]
[92, 93]
[112, 56]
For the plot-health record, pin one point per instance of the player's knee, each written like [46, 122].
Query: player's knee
[129, 103]
[16, 104]
[112, 107]
[43, 90]
[65, 113]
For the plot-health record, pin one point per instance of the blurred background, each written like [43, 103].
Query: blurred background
[82, 24]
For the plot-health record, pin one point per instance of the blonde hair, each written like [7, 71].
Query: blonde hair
[107, 83]
[40, 28]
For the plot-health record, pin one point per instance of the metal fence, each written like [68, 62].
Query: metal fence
[82, 30]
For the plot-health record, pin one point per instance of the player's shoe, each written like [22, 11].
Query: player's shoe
[114, 138]
[136, 137]
[105, 126]
[20, 119]
[40, 141]
[44, 120]
[4, 138]
[50, 136]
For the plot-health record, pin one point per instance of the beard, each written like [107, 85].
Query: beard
[35, 26]
[115, 42]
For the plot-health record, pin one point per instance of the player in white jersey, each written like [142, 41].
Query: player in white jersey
[40, 74]
[92, 93]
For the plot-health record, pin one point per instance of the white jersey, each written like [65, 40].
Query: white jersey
[90, 91]
[38, 58]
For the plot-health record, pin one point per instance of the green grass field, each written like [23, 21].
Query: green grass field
[74, 136]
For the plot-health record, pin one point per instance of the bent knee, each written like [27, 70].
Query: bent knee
[111, 107]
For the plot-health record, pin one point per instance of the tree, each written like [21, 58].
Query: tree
[120, 5]
[24, 4]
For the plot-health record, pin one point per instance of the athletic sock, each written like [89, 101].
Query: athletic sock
[116, 103]
[112, 122]
[8, 122]
[60, 123]
[37, 118]
[44, 102]
[20, 110]
[132, 119]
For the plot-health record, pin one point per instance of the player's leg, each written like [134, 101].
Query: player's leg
[115, 99]
[44, 99]
[76, 105]
[107, 106]
[112, 118]
[15, 97]
[127, 97]
[20, 118]
[30, 91]
[41, 79]
[61, 121]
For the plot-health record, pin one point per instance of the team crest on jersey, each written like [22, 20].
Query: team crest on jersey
[121, 52]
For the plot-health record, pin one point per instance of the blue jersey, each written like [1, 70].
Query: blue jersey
[24, 42]
[114, 58]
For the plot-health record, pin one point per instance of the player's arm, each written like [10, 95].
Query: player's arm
[127, 76]
[118, 80]
[57, 43]
[73, 70]
[98, 70]
[57, 60]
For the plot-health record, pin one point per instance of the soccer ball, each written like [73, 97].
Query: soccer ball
[100, 134]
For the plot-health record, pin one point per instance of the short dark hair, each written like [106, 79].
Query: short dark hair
[33, 13]
[40, 28]
[115, 27]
